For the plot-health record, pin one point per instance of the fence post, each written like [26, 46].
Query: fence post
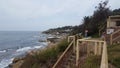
[68, 39]
[111, 39]
[74, 44]
[95, 51]
[77, 53]
[88, 49]
[99, 48]
[104, 60]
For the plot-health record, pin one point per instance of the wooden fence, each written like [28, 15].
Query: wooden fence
[84, 48]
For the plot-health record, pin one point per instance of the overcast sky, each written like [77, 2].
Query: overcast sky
[38, 15]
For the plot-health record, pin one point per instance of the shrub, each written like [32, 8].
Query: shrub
[62, 45]
[46, 57]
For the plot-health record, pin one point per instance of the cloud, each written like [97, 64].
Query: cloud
[36, 8]
[52, 13]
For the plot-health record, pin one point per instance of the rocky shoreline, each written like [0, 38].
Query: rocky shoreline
[18, 61]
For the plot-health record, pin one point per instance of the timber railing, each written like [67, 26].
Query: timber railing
[83, 49]
[115, 37]
[86, 48]
[101, 30]
[66, 53]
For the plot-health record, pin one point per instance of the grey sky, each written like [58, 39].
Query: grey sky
[37, 15]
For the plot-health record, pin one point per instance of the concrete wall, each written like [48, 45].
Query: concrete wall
[112, 24]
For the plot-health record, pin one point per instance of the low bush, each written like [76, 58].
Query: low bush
[45, 58]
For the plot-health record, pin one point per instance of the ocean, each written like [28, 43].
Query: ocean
[18, 43]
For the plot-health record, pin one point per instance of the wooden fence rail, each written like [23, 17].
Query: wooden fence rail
[96, 46]
[115, 36]
[65, 52]
[84, 48]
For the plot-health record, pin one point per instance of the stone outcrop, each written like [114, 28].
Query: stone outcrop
[17, 62]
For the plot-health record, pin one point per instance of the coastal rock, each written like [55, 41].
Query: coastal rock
[16, 60]
[17, 64]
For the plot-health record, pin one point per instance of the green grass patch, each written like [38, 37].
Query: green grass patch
[92, 62]
[114, 55]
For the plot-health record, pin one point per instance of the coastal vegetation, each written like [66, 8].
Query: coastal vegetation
[64, 29]
[114, 55]
[44, 58]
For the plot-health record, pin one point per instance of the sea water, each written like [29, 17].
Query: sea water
[17, 43]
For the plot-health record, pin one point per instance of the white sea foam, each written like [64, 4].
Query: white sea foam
[44, 43]
[2, 51]
[37, 47]
[5, 62]
[23, 49]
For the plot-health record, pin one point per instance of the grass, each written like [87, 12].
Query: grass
[113, 58]
[114, 55]
[92, 62]
[45, 58]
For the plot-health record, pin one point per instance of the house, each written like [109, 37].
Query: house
[113, 29]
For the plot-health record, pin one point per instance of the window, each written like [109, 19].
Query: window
[117, 23]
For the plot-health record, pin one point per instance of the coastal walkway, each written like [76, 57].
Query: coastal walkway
[79, 50]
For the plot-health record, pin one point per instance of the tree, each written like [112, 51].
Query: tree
[116, 12]
[98, 19]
